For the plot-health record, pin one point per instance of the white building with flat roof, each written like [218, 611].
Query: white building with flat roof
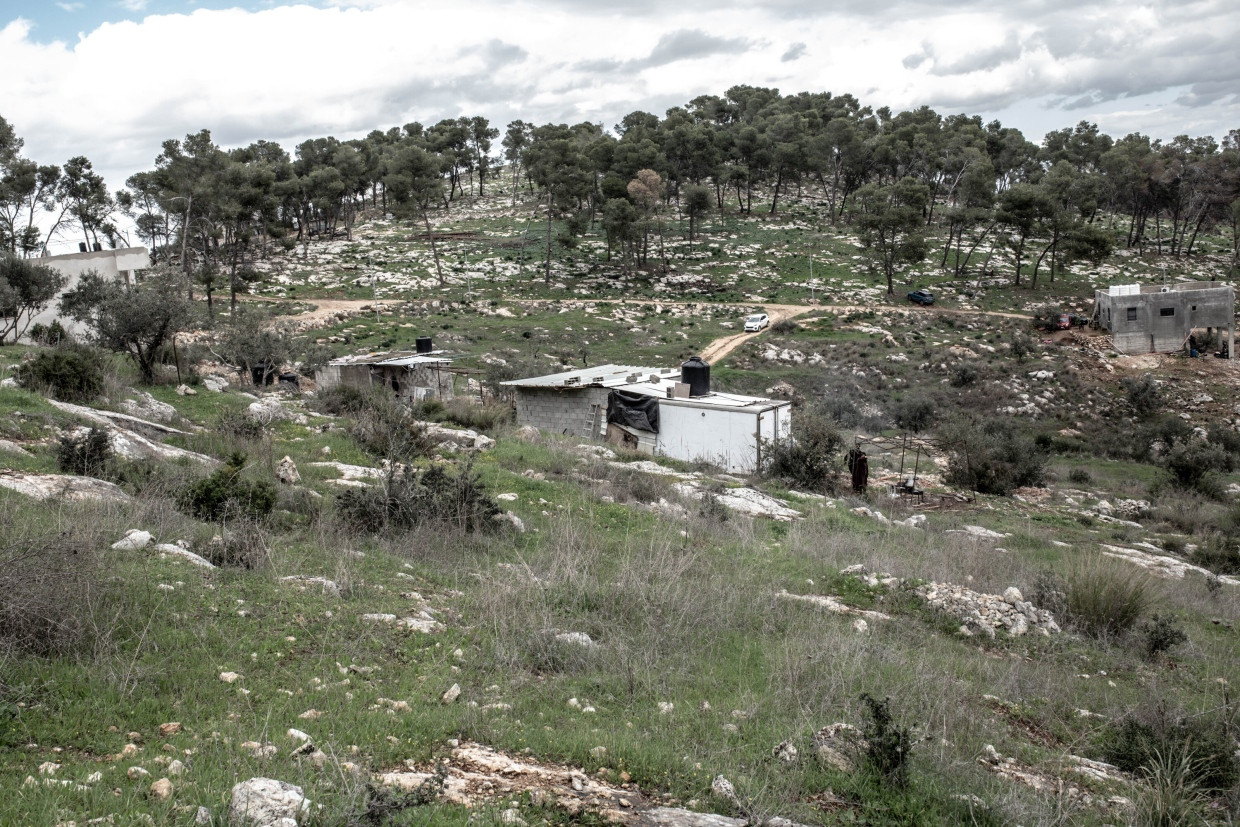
[651, 410]
[125, 264]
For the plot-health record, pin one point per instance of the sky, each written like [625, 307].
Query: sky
[112, 79]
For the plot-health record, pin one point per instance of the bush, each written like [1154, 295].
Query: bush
[1191, 464]
[1219, 553]
[785, 326]
[1138, 743]
[811, 458]
[1050, 593]
[888, 745]
[46, 588]
[341, 400]
[239, 425]
[72, 373]
[405, 500]
[914, 414]
[49, 335]
[1080, 476]
[963, 375]
[225, 495]
[992, 457]
[243, 546]
[1104, 599]
[1161, 635]
[1143, 395]
[1021, 345]
[87, 454]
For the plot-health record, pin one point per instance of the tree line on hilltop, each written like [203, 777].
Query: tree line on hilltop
[892, 177]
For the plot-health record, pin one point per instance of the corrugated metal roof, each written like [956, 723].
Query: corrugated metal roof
[651, 382]
[728, 401]
[389, 358]
[607, 376]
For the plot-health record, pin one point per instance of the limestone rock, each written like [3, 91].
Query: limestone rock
[528, 434]
[133, 540]
[512, 520]
[8, 447]
[307, 581]
[186, 390]
[148, 407]
[215, 384]
[266, 802]
[162, 789]
[453, 439]
[184, 554]
[68, 486]
[452, 694]
[269, 410]
[286, 471]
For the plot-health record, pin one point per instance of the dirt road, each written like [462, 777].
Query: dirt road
[325, 309]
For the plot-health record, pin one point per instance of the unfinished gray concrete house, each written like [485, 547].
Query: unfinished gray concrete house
[655, 411]
[412, 377]
[1151, 318]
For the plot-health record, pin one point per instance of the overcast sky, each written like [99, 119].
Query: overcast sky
[111, 79]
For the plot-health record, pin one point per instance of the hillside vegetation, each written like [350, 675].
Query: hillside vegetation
[510, 627]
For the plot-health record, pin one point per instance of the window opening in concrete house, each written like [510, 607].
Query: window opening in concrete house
[1132, 314]
[1166, 311]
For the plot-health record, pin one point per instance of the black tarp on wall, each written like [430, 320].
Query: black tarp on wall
[633, 410]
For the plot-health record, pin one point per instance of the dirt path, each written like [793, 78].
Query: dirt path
[718, 349]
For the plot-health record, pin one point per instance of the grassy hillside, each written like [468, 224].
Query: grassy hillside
[651, 638]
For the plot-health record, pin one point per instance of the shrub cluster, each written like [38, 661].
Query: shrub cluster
[1105, 600]
[993, 457]
[88, 453]
[70, 372]
[226, 495]
[1138, 743]
[407, 499]
[46, 584]
[888, 745]
[811, 458]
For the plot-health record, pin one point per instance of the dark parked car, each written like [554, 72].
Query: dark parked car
[922, 297]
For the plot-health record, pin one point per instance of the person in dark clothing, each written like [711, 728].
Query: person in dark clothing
[860, 472]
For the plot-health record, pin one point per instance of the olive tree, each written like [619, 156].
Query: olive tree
[26, 290]
[140, 320]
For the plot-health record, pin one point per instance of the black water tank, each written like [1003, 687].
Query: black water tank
[82, 247]
[696, 374]
[423, 344]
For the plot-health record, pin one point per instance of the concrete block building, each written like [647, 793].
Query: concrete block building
[412, 377]
[1149, 318]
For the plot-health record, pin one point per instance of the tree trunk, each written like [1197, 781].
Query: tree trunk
[434, 248]
[547, 263]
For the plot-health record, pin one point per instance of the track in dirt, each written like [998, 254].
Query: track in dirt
[718, 349]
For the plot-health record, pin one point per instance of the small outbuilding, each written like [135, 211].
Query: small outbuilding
[1149, 318]
[412, 377]
[658, 411]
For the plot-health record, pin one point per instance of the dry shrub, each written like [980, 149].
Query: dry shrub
[1105, 598]
[243, 546]
[47, 582]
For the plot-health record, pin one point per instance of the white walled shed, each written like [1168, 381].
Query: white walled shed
[728, 430]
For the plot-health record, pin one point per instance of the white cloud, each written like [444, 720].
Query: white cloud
[343, 68]
[133, 5]
[71, 7]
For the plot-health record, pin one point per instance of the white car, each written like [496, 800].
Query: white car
[756, 322]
